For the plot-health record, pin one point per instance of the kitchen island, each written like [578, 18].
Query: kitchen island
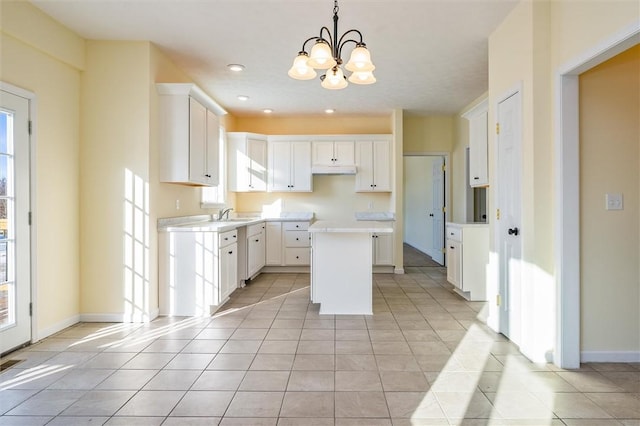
[341, 265]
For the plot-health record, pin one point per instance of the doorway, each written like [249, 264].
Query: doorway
[424, 209]
[15, 244]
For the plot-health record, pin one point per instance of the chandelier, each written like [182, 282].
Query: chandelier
[326, 54]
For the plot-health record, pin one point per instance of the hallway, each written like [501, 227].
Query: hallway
[423, 358]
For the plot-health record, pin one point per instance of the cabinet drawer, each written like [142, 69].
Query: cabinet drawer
[454, 234]
[295, 226]
[255, 229]
[297, 239]
[297, 256]
[226, 238]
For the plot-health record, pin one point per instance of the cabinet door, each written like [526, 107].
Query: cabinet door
[273, 251]
[344, 153]
[322, 153]
[197, 142]
[478, 140]
[364, 163]
[280, 165]
[255, 253]
[212, 171]
[228, 257]
[382, 166]
[238, 163]
[301, 166]
[383, 249]
[454, 263]
[257, 152]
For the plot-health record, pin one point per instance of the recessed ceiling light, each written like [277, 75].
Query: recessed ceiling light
[329, 110]
[236, 67]
[267, 110]
[243, 97]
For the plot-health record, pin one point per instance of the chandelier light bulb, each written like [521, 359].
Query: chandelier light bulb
[321, 56]
[334, 79]
[300, 70]
[362, 77]
[360, 60]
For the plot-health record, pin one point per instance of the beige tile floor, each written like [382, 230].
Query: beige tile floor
[423, 358]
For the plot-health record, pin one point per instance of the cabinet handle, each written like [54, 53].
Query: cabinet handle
[207, 176]
[297, 257]
[234, 236]
[226, 239]
[297, 226]
[231, 252]
[297, 239]
[476, 178]
[513, 231]
[257, 241]
[452, 248]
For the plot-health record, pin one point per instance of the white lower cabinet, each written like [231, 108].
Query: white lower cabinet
[468, 258]
[256, 247]
[288, 243]
[382, 249]
[198, 271]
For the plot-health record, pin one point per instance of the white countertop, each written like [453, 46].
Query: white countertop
[204, 223]
[380, 216]
[351, 226]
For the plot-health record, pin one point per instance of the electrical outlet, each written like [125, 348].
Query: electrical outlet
[370, 205]
[613, 201]
[177, 204]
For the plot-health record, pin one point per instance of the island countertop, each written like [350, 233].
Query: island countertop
[351, 226]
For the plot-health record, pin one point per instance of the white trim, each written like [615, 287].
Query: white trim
[567, 186]
[610, 356]
[58, 327]
[33, 102]
[398, 271]
[120, 317]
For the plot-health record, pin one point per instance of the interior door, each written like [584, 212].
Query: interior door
[437, 172]
[509, 237]
[15, 251]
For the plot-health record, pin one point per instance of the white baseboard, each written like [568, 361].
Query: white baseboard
[120, 317]
[46, 332]
[398, 271]
[610, 356]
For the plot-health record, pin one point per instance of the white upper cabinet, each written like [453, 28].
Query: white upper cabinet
[189, 135]
[289, 166]
[478, 141]
[373, 162]
[247, 161]
[333, 153]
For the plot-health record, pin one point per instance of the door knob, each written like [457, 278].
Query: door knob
[513, 231]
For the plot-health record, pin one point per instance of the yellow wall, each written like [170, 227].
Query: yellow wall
[45, 58]
[115, 139]
[610, 240]
[312, 125]
[433, 133]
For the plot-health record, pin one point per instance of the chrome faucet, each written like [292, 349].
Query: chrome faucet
[223, 212]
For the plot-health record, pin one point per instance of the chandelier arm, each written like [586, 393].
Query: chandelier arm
[329, 39]
[307, 41]
[343, 43]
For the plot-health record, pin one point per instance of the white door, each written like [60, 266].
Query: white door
[509, 237]
[437, 170]
[15, 251]
[418, 204]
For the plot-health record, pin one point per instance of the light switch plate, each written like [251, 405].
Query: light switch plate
[613, 201]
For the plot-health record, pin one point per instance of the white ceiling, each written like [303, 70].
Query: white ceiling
[430, 55]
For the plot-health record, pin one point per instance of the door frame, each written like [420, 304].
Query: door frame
[447, 184]
[31, 97]
[567, 184]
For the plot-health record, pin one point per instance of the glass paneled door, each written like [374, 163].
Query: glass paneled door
[15, 253]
